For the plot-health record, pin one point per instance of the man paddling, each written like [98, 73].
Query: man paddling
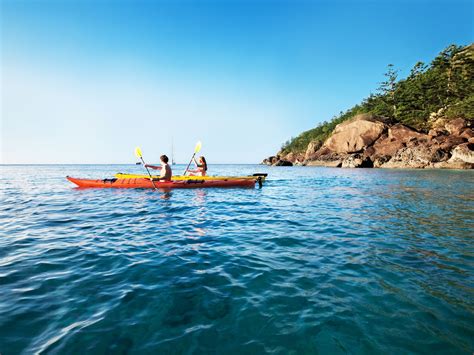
[166, 172]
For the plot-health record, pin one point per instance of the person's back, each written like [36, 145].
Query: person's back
[165, 172]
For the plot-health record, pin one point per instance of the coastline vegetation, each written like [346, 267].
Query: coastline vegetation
[443, 88]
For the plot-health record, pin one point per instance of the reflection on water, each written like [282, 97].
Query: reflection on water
[317, 261]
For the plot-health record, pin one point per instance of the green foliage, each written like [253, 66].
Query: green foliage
[446, 83]
[463, 109]
[388, 89]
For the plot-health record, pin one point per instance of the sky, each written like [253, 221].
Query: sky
[86, 81]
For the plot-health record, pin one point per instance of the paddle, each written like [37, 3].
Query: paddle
[196, 150]
[138, 153]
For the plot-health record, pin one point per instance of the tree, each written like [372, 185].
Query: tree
[388, 87]
[411, 97]
[443, 67]
[462, 73]
[418, 69]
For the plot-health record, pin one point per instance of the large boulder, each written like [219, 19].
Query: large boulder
[356, 134]
[463, 153]
[312, 148]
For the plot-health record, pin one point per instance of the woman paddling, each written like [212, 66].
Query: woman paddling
[166, 172]
[201, 167]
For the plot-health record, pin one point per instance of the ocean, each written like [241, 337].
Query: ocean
[318, 261]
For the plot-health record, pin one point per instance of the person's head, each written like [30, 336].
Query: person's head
[202, 162]
[164, 159]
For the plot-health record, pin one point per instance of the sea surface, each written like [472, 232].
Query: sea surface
[318, 261]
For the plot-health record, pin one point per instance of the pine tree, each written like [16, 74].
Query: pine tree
[411, 98]
[388, 88]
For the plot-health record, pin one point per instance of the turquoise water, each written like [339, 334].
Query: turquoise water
[319, 260]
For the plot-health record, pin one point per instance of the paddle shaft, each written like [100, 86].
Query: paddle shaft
[151, 179]
[189, 164]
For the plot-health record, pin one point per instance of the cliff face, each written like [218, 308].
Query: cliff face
[372, 141]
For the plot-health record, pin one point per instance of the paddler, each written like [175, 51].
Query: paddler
[201, 167]
[166, 172]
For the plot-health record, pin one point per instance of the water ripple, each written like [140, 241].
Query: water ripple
[318, 261]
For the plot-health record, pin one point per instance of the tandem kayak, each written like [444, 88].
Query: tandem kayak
[143, 183]
[186, 177]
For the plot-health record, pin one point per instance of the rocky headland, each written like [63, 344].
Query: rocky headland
[369, 141]
[425, 120]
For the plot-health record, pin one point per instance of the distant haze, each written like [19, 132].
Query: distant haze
[87, 81]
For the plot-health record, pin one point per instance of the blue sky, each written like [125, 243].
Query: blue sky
[87, 81]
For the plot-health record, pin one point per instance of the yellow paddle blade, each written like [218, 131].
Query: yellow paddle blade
[138, 152]
[198, 147]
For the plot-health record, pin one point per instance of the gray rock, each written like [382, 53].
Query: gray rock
[356, 161]
[463, 153]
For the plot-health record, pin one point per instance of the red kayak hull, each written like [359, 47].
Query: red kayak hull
[147, 184]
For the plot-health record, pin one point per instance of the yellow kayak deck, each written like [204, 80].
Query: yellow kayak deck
[185, 177]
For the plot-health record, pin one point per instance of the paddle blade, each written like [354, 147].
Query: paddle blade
[198, 147]
[138, 152]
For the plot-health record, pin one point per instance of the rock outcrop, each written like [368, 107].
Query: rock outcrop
[463, 153]
[356, 134]
[313, 147]
[357, 161]
[416, 157]
[277, 160]
[388, 145]
[371, 141]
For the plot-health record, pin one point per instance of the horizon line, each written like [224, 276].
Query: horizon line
[7, 164]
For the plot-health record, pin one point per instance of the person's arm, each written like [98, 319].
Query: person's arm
[152, 166]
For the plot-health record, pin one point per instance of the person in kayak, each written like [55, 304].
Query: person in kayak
[201, 167]
[166, 172]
